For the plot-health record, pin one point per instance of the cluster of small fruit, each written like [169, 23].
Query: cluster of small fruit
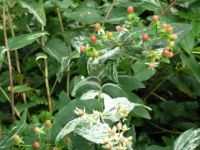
[19, 143]
[93, 45]
[115, 138]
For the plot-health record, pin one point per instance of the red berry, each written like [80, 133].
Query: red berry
[118, 28]
[37, 130]
[167, 53]
[83, 48]
[130, 9]
[155, 18]
[145, 36]
[47, 123]
[97, 26]
[93, 38]
[36, 144]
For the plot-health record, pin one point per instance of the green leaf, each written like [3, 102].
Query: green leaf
[84, 14]
[182, 30]
[41, 56]
[156, 147]
[113, 90]
[191, 63]
[66, 114]
[24, 40]
[2, 54]
[34, 8]
[187, 43]
[85, 85]
[142, 72]
[8, 141]
[22, 88]
[189, 140]
[129, 83]
[57, 49]
[141, 111]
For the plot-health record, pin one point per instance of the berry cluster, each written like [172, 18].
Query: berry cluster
[127, 34]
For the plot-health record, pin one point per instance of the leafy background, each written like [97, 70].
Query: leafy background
[172, 91]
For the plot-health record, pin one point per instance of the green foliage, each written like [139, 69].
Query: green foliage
[120, 89]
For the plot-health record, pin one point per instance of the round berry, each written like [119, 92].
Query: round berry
[17, 138]
[165, 25]
[36, 145]
[155, 18]
[145, 36]
[130, 9]
[170, 54]
[169, 29]
[151, 65]
[171, 44]
[173, 36]
[97, 26]
[47, 123]
[37, 130]
[95, 54]
[93, 38]
[109, 35]
[83, 48]
[55, 148]
[118, 28]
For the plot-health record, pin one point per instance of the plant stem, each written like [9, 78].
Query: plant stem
[9, 62]
[68, 78]
[8, 99]
[17, 58]
[170, 5]
[163, 129]
[60, 19]
[109, 11]
[0, 131]
[47, 86]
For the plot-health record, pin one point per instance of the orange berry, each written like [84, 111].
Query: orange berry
[165, 25]
[97, 26]
[145, 36]
[47, 123]
[36, 144]
[83, 48]
[155, 18]
[118, 28]
[93, 38]
[151, 65]
[130, 9]
[171, 54]
[169, 29]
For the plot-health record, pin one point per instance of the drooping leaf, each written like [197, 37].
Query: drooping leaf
[57, 49]
[24, 40]
[2, 54]
[189, 140]
[34, 8]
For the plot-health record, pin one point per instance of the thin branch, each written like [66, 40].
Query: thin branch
[9, 62]
[170, 6]
[109, 11]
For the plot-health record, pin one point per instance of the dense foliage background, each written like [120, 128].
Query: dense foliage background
[40, 58]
